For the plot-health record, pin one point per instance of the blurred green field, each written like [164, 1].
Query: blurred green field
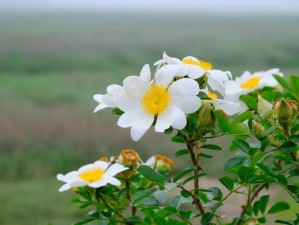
[52, 64]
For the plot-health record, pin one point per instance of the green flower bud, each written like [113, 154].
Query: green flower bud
[206, 117]
[129, 158]
[264, 108]
[259, 130]
[285, 111]
[160, 162]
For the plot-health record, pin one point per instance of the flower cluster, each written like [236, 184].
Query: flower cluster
[165, 99]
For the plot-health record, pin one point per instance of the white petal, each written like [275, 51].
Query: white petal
[145, 73]
[230, 108]
[64, 187]
[114, 169]
[113, 89]
[99, 183]
[170, 60]
[184, 87]
[135, 86]
[101, 164]
[86, 167]
[126, 102]
[166, 74]
[100, 107]
[134, 118]
[174, 117]
[150, 162]
[189, 104]
[195, 72]
[219, 75]
[216, 85]
[114, 181]
[179, 119]
[98, 98]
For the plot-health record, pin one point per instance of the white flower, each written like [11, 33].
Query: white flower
[229, 107]
[143, 101]
[195, 68]
[107, 100]
[94, 175]
[248, 82]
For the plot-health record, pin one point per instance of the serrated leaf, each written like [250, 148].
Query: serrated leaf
[181, 152]
[243, 145]
[222, 120]
[194, 177]
[150, 174]
[250, 101]
[245, 173]
[183, 173]
[263, 203]
[234, 162]
[227, 182]
[212, 147]
[288, 147]
[278, 207]
[242, 117]
[206, 218]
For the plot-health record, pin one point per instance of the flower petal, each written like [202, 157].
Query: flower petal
[114, 181]
[114, 169]
[102, 182]
[173, 116]
[216, 85]
[195, 72]
[166, 74]
[184, 87]
[64, 187]
[219, 75]
[135, 86]
[145, 73]
[189, 104]
[126, 102]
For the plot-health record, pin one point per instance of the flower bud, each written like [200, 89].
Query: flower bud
[264, 108]
[206, 117]
[104, 158]
[259, 130]
[285, 111]
[160, 162]
[251, 221]
[129, 158]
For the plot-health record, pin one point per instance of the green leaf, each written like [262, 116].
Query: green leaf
[183, 173]
[238, 129]
[161, 196]
[295, 83]
[222, 120]
[243, 145]
[194, 177]
[142, 194]
[278, 207]
[206, 218]
[284, 222]
[263, 202]
[268, 95]
[246, 173]
[288, 147]
[250, 101]
[227, 182]
[242, 117]
[234, 162]
[150, 174]
[216, 193]
[282, 82]
[212, 147]
[85, 221]
[181, 152]
[205, 155]
[147, 201]
[178, 139]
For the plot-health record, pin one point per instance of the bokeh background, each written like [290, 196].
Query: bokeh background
[55, 55]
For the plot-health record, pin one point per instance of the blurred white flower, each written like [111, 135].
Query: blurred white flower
[94, 175]
[143, 101]
[248, 82]
[195, 68]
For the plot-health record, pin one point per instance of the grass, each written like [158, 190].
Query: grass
[52, 64]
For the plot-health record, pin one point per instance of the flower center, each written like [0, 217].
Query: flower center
[155, 100]
[212, 95]
[91, 175]
[251, 83]
[196, 62]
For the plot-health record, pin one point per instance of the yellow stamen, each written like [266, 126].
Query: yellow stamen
[251, 83]
[155, 100]
[91, 175]
[212, 95]
[196, 62]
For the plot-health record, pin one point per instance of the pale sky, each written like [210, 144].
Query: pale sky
[215, 6]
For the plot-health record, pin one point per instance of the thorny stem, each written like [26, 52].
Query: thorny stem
[193, 148]
[249, 201]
